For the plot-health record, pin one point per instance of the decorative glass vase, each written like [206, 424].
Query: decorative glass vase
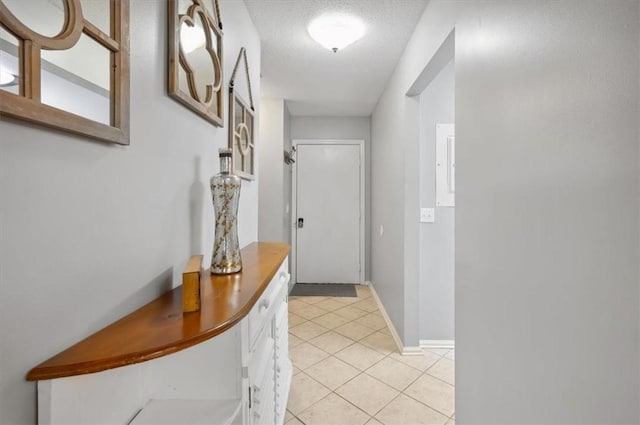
[225, 190]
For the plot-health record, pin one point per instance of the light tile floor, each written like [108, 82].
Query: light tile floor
[347, 369]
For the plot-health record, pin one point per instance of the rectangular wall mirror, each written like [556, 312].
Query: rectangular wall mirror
[65, 64]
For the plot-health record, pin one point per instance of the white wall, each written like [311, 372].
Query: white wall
[436, 239]
[547, 299]
[286, 185]
[271, 146]
[91, 231]
[275, 176]
[342, 128]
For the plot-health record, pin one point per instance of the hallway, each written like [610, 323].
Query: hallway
[347, 369]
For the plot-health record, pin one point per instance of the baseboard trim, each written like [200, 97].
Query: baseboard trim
[437, 343]
[387, 319]
[405, 351]
[412, 351]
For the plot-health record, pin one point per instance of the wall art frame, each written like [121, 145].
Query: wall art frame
[27, 104]
[242, 125]
[210, 106]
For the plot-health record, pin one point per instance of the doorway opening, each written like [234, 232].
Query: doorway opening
[430, 285]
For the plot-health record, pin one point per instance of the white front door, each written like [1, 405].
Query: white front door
[328, 213]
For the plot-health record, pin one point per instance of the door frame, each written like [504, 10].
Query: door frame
[294, 200]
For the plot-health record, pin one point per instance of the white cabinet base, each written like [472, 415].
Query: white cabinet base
[239, 377]
[190, 412]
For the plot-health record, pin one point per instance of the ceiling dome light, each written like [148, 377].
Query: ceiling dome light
[336, 31]
[7, 79]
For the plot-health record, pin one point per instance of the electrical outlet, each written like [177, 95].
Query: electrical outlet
[427, 215]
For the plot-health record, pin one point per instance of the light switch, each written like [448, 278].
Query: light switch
[427, 215]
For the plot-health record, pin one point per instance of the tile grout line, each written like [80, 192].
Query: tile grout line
[360, 372]
[408, 395]
[438, 379]
[430, 407]
[368, 368]
[369, 416]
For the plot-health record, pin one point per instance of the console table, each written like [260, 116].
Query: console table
[225, 364]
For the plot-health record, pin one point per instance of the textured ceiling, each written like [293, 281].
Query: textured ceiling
[316, 81]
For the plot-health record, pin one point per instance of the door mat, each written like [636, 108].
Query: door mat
[324, 290]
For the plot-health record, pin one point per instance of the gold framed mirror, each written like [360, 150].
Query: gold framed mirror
[242, 124]
[195, 57]
[65, 64]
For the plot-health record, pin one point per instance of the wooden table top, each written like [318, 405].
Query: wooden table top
[160, 328]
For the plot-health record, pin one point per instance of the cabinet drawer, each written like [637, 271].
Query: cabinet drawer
[282, 313]
[261, 312]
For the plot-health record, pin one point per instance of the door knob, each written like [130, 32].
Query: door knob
[300, 223]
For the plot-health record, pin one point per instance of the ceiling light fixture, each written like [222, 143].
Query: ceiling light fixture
[336, 31]
[7, 79]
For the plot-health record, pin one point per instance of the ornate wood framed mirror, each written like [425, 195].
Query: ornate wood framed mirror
[241, 124]
[195, 57]
[65, 64]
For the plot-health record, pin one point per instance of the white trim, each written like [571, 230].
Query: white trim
[437, 343]
[405, 351]
[294, 206]
[408, 350]
[412, 351]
